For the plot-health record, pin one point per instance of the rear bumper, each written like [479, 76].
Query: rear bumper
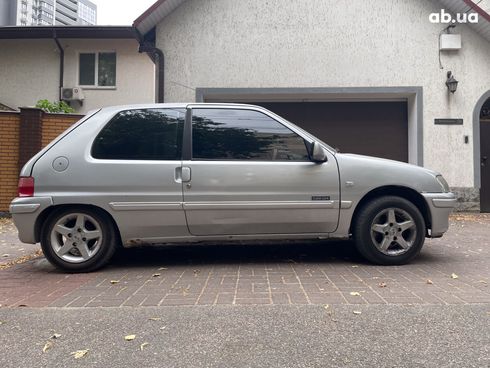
[440, 207]
[25, 211]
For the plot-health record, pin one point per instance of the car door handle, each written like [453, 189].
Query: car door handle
[182, 174]
[186, 174]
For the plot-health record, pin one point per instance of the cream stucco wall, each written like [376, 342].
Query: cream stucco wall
[29, 71]
[329, 43]
[135, 73]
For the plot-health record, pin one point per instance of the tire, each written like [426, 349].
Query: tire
[78, 239]
[389, 231]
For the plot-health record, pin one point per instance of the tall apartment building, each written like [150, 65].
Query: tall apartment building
[47, 12]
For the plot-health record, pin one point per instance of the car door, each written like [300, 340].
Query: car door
[135, 167]
[247, 173]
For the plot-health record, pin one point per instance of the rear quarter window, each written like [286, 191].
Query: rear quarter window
[143, 134]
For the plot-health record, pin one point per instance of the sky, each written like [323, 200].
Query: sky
[120, 12]
[124, 12]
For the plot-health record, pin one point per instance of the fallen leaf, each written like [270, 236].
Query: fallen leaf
[163, 327]
[154, 318]
[114, 281]
[483, 282]
[129, 337]
[354, 293]
[326, 306]
[155, 275]
[429, 281]
[79, 353]
[21, 260]
[2, 322]
[354, 266]
[47, 346]
[142, 346]
[5, 255]
[454, 276]
[357, 312]
[162, 268]
[382, 284]
[55, 336]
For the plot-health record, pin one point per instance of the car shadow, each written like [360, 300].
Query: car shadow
[234, 253]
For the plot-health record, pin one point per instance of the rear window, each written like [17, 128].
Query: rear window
[145, 134]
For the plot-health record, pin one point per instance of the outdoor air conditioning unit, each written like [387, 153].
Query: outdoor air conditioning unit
[72, 94]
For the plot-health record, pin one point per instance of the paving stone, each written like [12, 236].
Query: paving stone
[292, 273]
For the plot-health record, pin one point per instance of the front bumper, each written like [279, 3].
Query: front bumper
[25, 211]
[440, 206]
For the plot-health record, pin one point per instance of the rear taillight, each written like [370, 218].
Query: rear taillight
[26, 186]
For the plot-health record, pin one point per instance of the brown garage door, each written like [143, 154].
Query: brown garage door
[369, 128]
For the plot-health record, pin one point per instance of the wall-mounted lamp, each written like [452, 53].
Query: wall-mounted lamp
[451, 82]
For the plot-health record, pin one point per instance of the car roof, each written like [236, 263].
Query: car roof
[180, 105]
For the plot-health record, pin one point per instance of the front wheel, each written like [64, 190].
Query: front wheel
[78, 239]
[389, 231]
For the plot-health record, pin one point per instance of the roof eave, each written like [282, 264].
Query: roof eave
[154, 14]
[86, 32]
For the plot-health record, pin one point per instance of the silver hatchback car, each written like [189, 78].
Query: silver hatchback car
[165, 173]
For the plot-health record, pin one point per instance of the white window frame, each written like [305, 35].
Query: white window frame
[96, 79]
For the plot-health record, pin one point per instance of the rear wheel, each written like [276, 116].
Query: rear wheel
[78, 239]
[389, 231]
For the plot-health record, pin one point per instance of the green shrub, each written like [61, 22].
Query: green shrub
[61, 106]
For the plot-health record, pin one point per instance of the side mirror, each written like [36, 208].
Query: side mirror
[319, 154]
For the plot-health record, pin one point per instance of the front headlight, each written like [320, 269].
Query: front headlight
[443, 183]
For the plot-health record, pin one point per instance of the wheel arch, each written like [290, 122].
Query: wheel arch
[392, 190]
[44, 215]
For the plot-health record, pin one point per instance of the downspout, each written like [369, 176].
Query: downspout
[62, 63]
[156, 55]
[161, 73]
[158, 58]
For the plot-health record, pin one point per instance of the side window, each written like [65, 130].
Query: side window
[86, 75]
[153, 134]
[228, 134]
[97, 69]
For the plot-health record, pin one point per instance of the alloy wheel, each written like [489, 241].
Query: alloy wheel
[76, 237]
[393, 231]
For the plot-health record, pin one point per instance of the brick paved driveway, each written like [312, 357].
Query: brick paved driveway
[451, 270]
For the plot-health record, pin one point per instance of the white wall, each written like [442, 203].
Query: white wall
[29, 71]
[329, 43]
[135, 73]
